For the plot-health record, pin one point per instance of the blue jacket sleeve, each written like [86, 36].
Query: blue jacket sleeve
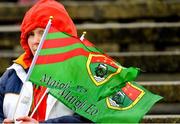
[2, 92]
[9, 83]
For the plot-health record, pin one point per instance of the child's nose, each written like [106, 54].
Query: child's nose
[37, 38]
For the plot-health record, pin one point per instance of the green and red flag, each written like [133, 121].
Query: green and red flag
[88, 81]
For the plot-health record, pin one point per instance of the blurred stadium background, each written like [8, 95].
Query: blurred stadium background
[141, 33]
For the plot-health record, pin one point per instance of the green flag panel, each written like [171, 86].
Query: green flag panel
[89, 82]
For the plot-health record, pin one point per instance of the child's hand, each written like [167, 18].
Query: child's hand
[26, 120]
[8, 121]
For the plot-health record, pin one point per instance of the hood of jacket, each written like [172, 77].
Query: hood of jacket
[38, 16]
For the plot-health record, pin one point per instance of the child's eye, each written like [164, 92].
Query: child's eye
[31, 34]
[41, 32]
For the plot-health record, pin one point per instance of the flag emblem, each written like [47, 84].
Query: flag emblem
[125, 98]
[101, 68]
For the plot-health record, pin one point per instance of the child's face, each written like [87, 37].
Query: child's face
[34, 38]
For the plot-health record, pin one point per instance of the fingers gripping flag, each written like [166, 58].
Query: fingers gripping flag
[88, 81]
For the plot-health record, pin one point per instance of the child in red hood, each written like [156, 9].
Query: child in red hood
[50, 110]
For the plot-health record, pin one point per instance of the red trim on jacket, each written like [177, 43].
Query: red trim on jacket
[40, 113]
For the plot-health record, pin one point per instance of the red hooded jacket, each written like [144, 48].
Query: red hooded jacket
[38, 16]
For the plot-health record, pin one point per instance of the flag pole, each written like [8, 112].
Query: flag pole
[46, 91]
[39, 48]
[82, 36]
[33, 63]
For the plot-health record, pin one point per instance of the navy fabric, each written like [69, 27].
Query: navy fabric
[10, 83]
[68, 119]
[7, 85]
